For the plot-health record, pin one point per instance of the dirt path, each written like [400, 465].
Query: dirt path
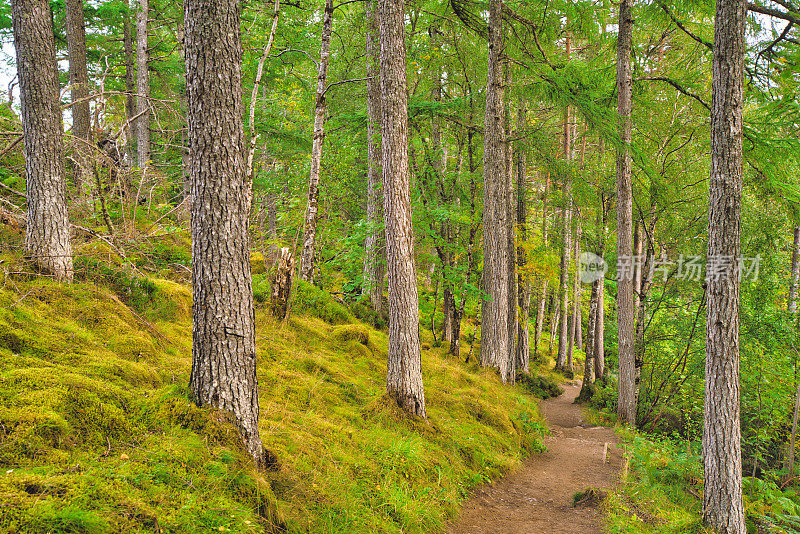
[537, 497]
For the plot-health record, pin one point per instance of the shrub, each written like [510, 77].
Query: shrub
[539, 386]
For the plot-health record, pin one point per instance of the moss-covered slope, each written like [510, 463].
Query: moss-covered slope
[97, 434]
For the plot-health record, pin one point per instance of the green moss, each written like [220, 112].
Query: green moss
[315, 302]
[99, 435]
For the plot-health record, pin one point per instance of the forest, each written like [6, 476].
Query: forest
[365, 266]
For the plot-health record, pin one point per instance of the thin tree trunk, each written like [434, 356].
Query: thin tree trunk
[599, 322]
[142, 87]
[511, 216]
[523, 283]
[788, 464]
[563, 284]
[310, 228]
[374, 245]
[576, 296]
[78, 75]
[723, 509]
[251, 153]
[542, 298]
[131, 125]
[795, 272]
[223, 348]
[495, 313]
[404, 366]
[626, 408]
[47, 231]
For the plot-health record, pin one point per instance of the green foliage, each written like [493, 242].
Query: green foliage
[315, 302]
[97, 433]
[540, 386]
[664, 488]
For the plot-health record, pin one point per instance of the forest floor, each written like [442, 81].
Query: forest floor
[538, 497]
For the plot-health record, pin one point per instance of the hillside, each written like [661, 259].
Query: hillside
[97, 433]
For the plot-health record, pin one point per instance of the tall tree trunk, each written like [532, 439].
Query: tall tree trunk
[455, 344]
[223, 348]
[723, 508]
[542, 298]
[78, 75]
[599, 334]
[626, 408]
[374, 246]
[404, 366]
[47, 232]
[523, 283]
[576, 295]
[563, 283]
[511, 211]
[795, 272]
[495, 313]
[598, 344]
[142, 87]
[131, 125]
[310, 228]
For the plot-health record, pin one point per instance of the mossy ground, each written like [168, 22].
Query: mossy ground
[97, 434]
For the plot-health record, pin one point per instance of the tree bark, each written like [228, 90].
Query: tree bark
[282, 285]
[142, 87]
[495, 312]
[566, 250]
[131, 125]
[310, 228]
[78, 74]
[599, 335]
[47, 231]
[223, 348]
[795, 272]
[523, 283]
[723, 508]
[542, 298]
[626, 407]
[375, 243]
[404, 366]
[576, 296]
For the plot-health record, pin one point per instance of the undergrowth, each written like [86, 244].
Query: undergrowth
[662, 493]
[97, 434]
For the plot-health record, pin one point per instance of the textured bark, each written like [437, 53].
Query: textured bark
[542, 298]
[130, 86]
[575, 327]
[374, 245]
[282, 285]
[495, 312]
[142, 87]
[310, 228]
[599, 335]
[723, 509]
[588, 372]
[404, 373]
[223, 348]
[78, 75]
[47, 231]
[626, 407]
[566, 252]
[795, 271]
[523, 284]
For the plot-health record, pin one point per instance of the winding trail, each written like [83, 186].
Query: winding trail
[537, 497]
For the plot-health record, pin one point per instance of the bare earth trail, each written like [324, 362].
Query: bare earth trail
[537, 497]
